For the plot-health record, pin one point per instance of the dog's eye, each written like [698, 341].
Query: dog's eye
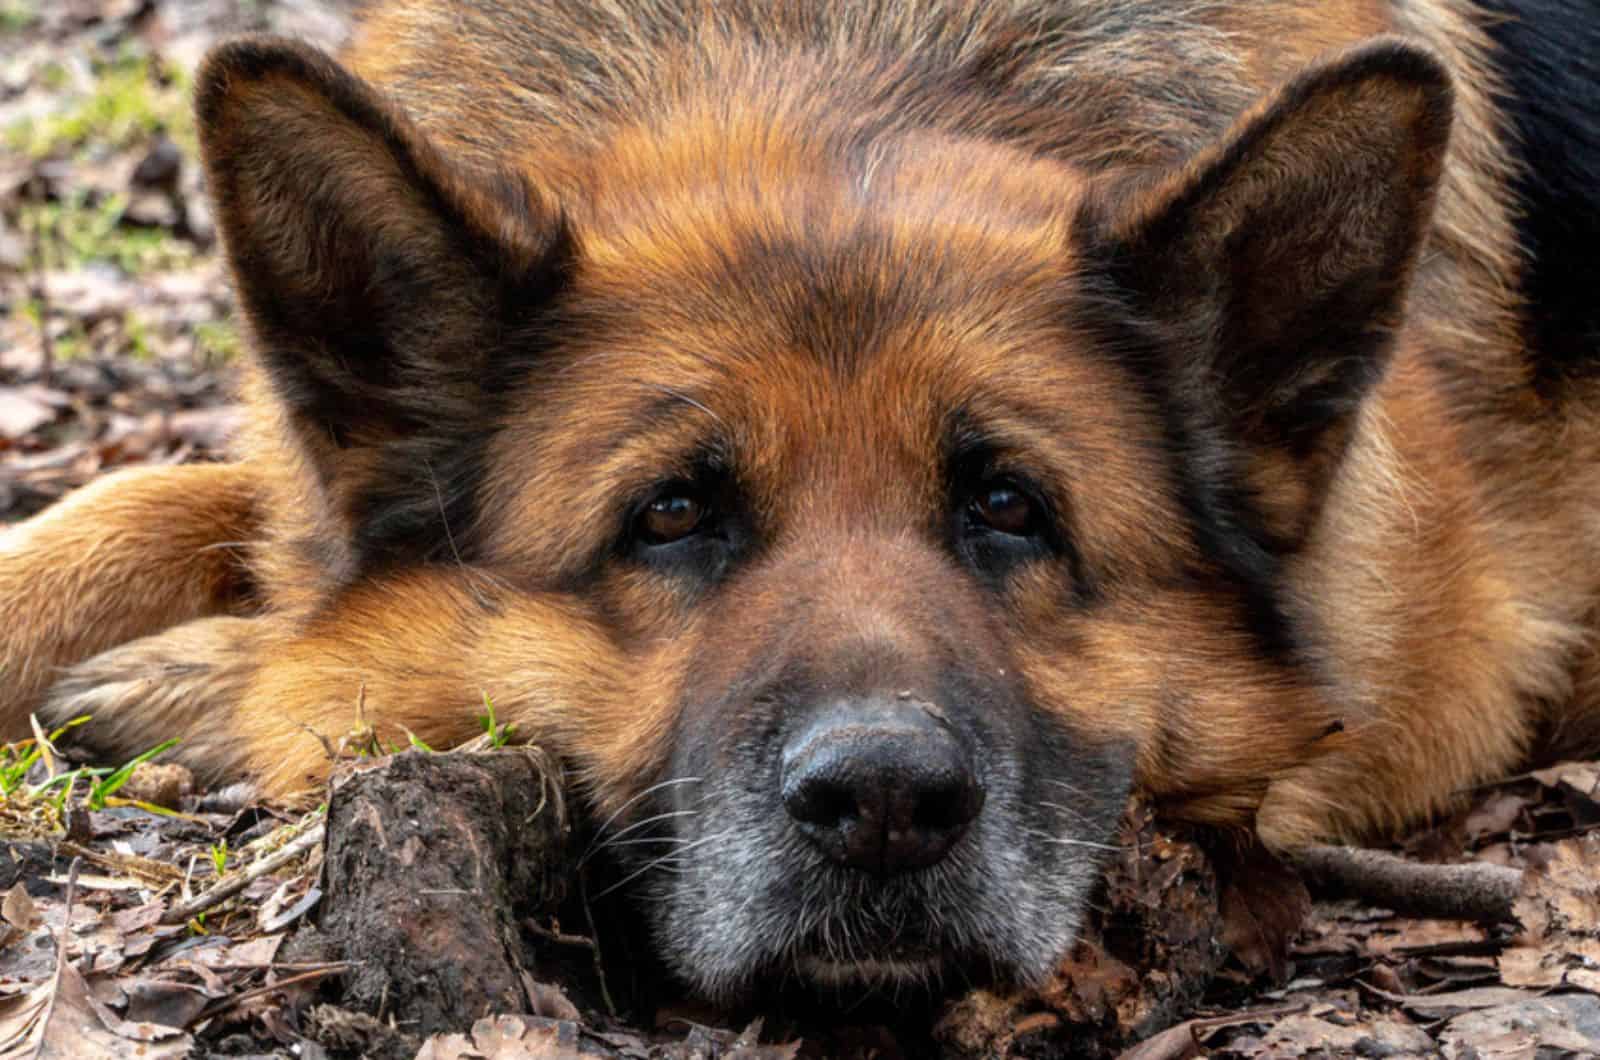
[670, 517]
[1006, 509]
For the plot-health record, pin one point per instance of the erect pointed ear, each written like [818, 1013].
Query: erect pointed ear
[381, 281]
[1271, 270]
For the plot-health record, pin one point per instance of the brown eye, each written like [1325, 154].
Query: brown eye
[1005, 509]
[670, 518]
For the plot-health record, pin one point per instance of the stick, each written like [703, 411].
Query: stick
[1447, 892]
[231, 886]
[259, 991]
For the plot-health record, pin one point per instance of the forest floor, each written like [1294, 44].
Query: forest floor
[117, 348]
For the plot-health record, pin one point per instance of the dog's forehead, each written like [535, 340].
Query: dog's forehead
[721, 257]
[814, 239]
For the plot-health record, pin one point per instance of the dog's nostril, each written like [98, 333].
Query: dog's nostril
[885, 791]
[942, 808]
[816, 801]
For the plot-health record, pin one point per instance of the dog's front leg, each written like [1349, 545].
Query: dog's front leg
[409, 654]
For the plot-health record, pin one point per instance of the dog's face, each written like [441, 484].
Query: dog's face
[844, 480]
[927, 497]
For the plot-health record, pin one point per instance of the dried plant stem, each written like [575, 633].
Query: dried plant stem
[241, 879]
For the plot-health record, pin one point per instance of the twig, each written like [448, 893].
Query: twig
[1188, 1038]
[594, 944]
[560, 938]
[276, 966]
[61, 955]
[241, 879]
[238, 999]
[157, 874]
[46, 751]
[1450, 892]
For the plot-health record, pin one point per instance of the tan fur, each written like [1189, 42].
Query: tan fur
[135, 552]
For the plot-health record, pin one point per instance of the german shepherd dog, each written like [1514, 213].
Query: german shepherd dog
[869, 439]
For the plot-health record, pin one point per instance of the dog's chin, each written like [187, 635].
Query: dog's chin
[872, 974]
[917, 964]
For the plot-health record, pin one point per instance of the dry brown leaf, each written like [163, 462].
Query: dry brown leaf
[165, 1002]
[1567, 1025]
[548, 1000]
[22, 414]
[1578, 784]
[209, 428]
[1263, 904]
[1496, 815]
[1343, 1034]
[19, 910]
[1552, 966]
[158, 783]
[1559, 910]
[1174, 1043]
[81, 1028]
[1454, 1002]
[508, 1038]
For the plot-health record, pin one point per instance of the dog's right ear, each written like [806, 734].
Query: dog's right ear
[392, 294]
[377, 275]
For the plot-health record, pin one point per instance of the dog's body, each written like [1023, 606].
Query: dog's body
[873, 437]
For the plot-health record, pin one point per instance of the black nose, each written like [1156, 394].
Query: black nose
[881, 785]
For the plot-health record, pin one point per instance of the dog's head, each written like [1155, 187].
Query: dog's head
[928, 494]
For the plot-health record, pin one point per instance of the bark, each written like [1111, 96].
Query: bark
[432, 862]
[1454, 892]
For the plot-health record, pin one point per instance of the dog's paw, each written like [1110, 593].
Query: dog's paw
[186, 683]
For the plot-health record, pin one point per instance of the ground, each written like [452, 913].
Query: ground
[116, 348]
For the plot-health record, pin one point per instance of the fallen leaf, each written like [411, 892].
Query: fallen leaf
[548, 1000]
[282, 917]
[1559, 910]
[21, 415]
[1174, 1043]
[158, 783]
[1453, 1002]
[18, 909]
[1263, 905]
[508, 1038]
[1495, 816]
[165, 1002]
[1309, 1035]
[1567, 1024]
[208, 428]
[78, 1027]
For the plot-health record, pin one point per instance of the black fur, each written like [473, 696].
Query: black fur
[1550, 58]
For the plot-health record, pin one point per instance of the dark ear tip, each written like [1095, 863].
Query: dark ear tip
[249, 59]
[1399, 60]
[1399, 57]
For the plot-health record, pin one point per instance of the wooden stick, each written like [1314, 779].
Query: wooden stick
[1448, 892]
[260, 991]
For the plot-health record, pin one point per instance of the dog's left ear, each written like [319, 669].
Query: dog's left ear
[1270, 271]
